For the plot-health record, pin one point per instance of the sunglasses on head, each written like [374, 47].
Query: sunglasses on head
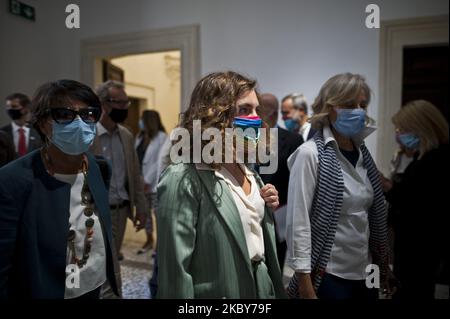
[63, 115]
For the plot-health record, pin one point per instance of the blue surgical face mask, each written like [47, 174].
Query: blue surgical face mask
[73, 138]
[291, 125]
[246, 122]
[141, 125]
[350, 122]
[409, 140]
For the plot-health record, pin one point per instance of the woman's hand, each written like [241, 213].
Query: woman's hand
[390, 284]
[139, 221]
[386, 183]
[270, 195]
[305, 286]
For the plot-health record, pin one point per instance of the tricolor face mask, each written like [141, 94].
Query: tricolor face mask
[250, 125]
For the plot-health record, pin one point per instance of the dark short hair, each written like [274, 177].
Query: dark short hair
[59, 93]
[24, 100]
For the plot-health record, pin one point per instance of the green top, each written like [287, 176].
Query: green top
[202, 252]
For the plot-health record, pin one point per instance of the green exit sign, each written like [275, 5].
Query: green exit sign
[21, 9]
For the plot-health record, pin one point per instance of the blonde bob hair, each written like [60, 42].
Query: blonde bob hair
[423, 119]
[340, 90]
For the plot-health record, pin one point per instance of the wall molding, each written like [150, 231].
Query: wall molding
[184, 38]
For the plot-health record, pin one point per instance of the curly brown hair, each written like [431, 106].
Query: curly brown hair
[213, 102]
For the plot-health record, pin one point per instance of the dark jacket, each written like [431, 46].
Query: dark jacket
[420, 222]
[288, 142]
[7, 151]
[34, 224]
[34, 140]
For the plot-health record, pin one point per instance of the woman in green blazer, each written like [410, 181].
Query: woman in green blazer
[215, 226]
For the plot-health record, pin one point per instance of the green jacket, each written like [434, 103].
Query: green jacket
[202, 252]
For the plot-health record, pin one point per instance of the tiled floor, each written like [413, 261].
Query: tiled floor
[137, 269]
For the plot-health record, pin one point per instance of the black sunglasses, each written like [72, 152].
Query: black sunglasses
[63, 115]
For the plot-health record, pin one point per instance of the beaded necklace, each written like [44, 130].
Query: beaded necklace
[89, 207]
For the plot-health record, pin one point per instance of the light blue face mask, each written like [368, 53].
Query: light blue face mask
[141, 125]
[409, 140]
[291, 125]
[73, 138]
[350, 122]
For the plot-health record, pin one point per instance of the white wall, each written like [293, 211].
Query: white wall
[288, 45]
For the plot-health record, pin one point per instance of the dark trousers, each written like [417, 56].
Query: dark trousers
[333, 287]
[94, 294]
[281, 253]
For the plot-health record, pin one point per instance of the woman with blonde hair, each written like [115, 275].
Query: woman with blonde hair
[336, 216]
[216, 234]
[420, 202]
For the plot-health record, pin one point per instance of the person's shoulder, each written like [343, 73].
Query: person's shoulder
[181, 177]
[161, 136]
[290, 136]
[180, 169]
[435, 157]
[309, 148]
[125, 131]
[162, 133]
[3, 135]
[6, 128]
[307, 152]
[20, 170]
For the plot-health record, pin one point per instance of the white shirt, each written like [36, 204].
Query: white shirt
[350, 252]
[15, 129]
[304, 130]
[93, 273]
[151, 160]
[251, 209]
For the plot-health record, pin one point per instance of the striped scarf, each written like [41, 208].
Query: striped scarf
[326, 208]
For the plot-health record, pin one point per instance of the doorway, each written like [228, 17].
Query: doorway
[425, 76]
[152, 81]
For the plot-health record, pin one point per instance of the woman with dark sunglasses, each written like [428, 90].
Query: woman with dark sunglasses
[55, 227]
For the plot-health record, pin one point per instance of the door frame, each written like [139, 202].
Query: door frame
[183, 38]
[394, 36]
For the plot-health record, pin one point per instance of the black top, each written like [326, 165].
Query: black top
[420, 223]
[7, 151]
[140, 150]
[352, 156]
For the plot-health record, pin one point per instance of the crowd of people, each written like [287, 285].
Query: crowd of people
[72, 174]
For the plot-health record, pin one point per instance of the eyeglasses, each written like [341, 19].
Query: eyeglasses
[119, 102]
[63, 115]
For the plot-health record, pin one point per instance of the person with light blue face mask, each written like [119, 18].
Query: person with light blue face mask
[409, 140]
[60, 192]
[334, 178]
[349, 122]
[73, 138]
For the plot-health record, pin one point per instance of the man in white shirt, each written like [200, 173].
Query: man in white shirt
[294, 109]
[24, 138]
